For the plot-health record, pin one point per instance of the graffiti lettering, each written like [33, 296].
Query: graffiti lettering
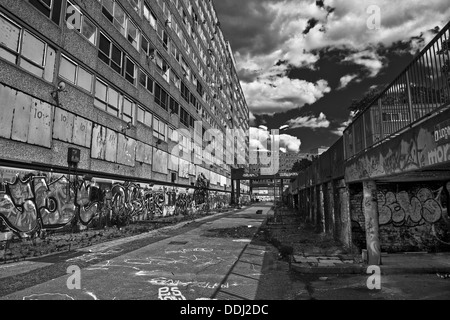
[416, 209]
[177, 283]
[439, 154]
[170, 294]
[37, 203]
[441, 134]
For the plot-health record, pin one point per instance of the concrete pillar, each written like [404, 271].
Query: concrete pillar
[314, 205]
[343, 219]
[321, 209]
[308, 204]
[304, 204]
[331, 219]
[238, 192]
[326, 208]
[370, 208]
[233, 194]
[345, 225]
[337, 212]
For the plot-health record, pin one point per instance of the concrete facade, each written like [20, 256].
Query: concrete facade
[133, 86]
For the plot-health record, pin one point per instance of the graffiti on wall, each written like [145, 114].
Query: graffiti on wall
[418, 148]
[411, 208]
[36, 203]
[399, 158]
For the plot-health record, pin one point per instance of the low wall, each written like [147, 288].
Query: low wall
[43, 201]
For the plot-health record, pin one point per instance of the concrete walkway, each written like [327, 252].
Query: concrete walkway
[190, 263]
[33, 263]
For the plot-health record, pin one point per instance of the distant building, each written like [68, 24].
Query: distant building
[267, 186]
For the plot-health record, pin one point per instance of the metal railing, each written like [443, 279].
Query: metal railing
[422, 88]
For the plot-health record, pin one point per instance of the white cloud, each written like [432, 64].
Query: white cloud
[368, 59]
[259, 141]
[345, 80]
[347, 25]
[290, 143]
[344, 28]
[310, 122]
[282, 94]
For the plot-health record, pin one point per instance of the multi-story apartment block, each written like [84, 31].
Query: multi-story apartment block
[132, 87]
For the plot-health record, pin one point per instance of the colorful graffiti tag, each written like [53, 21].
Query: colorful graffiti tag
[38, 202]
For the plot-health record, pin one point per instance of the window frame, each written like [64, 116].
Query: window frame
[152, 19]
[136, 7]
[131, 78]
[143, 110]
[135, 41]
[77, 73]
[25, 62]
[184, 116]
[174, 106]
[111, 61]
[83, 22]
[53, 14]
[159, 94]
[157, 129]
[107, 106]
[147, 80]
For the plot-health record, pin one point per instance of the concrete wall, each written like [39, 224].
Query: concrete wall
[38, 201]
[412, 216]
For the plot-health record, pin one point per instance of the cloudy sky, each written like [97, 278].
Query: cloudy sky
[302, 62]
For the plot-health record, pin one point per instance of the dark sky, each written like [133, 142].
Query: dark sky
[302, 62]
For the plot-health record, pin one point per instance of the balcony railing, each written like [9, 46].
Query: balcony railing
[419, 91]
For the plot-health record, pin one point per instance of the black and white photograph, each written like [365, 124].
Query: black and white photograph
[231, 156]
